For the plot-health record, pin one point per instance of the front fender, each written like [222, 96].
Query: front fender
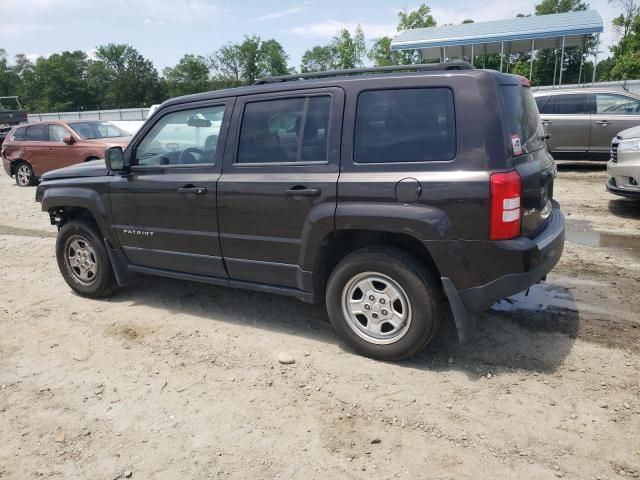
[92, 199]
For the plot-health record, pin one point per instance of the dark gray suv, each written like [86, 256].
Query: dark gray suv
[388, 194]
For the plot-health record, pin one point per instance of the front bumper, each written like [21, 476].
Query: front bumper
[624, 176]
[546, 248]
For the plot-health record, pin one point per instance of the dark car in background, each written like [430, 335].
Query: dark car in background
[36, 148]
[583, 121]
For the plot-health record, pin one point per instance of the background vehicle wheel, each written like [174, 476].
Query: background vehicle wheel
[384, 303]
[24, 175]
[83, 260]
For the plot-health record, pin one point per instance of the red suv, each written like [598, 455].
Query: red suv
[33, 149]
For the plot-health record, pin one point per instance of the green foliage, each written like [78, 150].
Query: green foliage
[380, 52]
[243, 63]
[190, 75]
[547, 7]
[319, 59]
[419, 18]
[345, 50]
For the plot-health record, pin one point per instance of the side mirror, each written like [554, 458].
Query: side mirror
[69, 140]
[114, 158]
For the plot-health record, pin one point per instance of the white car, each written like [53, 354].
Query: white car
[624, 165]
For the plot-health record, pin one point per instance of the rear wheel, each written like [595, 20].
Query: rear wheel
[384, 303]
[83, 260]
[24, 175]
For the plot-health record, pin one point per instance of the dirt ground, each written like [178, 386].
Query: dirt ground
[170, 379]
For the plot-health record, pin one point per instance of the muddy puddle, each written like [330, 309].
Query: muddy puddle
[582, 232]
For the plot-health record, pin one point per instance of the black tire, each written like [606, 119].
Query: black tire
[419, 288]
[24, 174]
[99, 284]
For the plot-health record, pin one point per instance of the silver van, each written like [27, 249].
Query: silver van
[583, 121]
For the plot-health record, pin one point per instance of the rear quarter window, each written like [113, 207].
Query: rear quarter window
[19, 135]
[409, 125]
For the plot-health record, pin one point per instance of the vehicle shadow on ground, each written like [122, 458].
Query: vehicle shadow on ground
[514, 338]
[581, 165]
[625, 208]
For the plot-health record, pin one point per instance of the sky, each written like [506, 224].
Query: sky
[165, 30]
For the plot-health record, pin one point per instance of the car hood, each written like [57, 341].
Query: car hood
[95, 168]
[633, 132]
[110, 142]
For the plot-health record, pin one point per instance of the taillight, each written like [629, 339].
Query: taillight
[506, 194]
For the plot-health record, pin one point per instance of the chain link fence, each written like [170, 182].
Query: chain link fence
[121, 114]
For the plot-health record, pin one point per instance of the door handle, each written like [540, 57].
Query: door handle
[301, 191]
[603, 122]
[193, 189]
[547, 122]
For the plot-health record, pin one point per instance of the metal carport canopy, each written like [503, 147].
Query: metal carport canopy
[501, 36]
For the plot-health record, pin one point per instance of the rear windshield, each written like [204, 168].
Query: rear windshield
[524, 129]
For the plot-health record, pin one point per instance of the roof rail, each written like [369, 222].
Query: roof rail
[422, 67]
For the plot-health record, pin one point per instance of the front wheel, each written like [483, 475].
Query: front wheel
[83, 260]
[383, 303]
[24, 175]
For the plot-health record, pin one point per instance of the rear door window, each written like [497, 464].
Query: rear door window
[524, 128]
[285, 130]
[38, 133]
[409, 125]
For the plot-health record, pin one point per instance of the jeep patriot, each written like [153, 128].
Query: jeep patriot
[390, 194]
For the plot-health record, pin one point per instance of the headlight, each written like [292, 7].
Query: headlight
[630, 144]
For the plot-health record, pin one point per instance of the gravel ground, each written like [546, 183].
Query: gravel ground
[177, 380]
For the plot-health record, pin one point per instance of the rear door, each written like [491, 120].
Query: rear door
[530, 157]
[36, 148]
[612, 113]
[279, 183]
[566, 118]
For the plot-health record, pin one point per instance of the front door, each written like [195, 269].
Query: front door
[278, 189]
[164, 210]
[613, 113]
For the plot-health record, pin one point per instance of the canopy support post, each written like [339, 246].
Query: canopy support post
[555, 64]
[501, 54]
[484, 60]
[420, 55]
[533, 45]
[561, 63]
[394, 57]
[595, 59]
[472, 55]
[445, 53]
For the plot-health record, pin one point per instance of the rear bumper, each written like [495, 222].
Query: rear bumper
[7, 166]
[549, 245]
[546, 249]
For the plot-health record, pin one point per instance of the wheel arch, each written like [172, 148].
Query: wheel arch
[339, 243]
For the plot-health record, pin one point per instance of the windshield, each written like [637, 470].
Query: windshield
[522, 119]
[93, 130]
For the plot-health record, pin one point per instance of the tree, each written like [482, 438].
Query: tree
[380, 52]
[344, 51]
[420, 18]
[547, 7]
[351, 49]
[245, 62]
[319, 59]
[623, 22]
[190, 75]
[130, 79]
[467, 20]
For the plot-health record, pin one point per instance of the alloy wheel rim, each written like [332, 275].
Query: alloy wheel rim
[376, 308]
[81, 261]
[24, 175]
